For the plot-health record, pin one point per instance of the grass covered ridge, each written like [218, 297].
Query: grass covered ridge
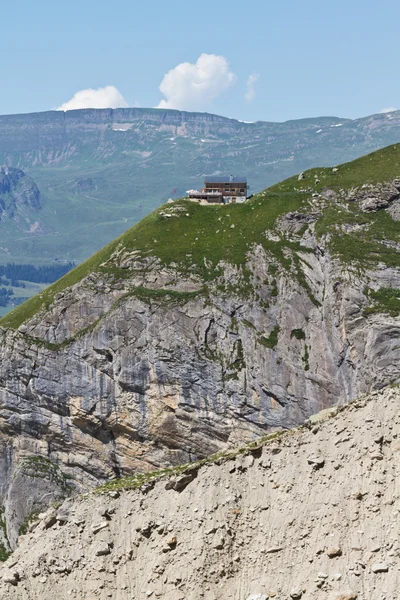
[196, 239]
[139, 479]
[194, 242]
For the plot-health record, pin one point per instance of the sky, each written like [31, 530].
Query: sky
[254, 60]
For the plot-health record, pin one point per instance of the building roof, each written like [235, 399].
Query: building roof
[227, 179]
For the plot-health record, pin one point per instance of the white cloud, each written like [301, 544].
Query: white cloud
[193, 86]
[250, 87]
[106, 97]
[388, 110]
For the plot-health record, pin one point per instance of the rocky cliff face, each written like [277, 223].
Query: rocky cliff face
[310, 514]
[19, 195]
[168, 346]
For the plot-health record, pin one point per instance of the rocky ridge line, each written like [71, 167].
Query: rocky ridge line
[310, 515]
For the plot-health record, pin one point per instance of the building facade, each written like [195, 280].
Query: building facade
[224, 190]
[232, 189]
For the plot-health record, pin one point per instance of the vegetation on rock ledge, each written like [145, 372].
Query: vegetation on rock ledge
[196, 240]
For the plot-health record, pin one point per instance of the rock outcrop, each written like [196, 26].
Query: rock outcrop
[373, 198]
[19, 195]
[110, 381]
[199, 329]
[311, 514]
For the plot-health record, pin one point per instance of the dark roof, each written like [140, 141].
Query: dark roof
[227, 179]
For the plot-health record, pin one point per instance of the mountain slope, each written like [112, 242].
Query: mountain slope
[310, 514]
[101, 170]
[194, 240]
[19, 196]
[202, 327]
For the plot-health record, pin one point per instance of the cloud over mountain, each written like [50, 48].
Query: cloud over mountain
[250, 87]
[191, 86]
[106, 97]
[388, 110]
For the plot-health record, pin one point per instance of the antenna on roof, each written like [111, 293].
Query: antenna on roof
[231, 178]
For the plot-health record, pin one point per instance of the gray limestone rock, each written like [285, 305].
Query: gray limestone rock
[33, 484]
[376, 197]
[394, 210]
[214, 540]
[154, 368]
[107, 383]
[18, 192]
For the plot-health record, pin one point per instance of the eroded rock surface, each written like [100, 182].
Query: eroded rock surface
[311, 515]
[125, 374]
[18, 195]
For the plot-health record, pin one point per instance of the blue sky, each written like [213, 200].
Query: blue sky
[306, 58]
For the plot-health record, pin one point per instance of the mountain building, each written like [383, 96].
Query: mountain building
[219, 190]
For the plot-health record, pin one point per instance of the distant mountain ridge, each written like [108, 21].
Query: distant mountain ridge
[101, 170]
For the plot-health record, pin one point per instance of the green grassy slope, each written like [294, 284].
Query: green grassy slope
[365, 245]
[202, 236]
[96, 180]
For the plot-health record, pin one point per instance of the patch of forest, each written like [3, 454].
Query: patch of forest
[5, 295]
[12, 274]
[25, 276]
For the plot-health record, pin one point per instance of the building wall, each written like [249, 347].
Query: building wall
[230, 188]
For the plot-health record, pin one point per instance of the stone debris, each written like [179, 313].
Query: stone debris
[273, 550]
[99, 526]
[334, 551]
[11, 577]
[102, 549]
[258, 526]
[172, 542]
[49, 521]
[244, 462]
[379, 568]
[317, 462]
[179, 483]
